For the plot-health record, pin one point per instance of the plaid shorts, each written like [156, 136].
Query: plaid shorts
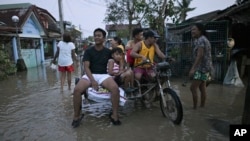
[201, 76]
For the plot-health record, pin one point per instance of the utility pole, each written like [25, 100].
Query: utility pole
[80, 36]
[61, 16]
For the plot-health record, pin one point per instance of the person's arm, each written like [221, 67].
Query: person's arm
[110, 67]
[159, 52]
[122, 64]
[88, 72]
[129, 45]
[134, 52]
[73, 55]
[86, 65]
[200, 53]
[56, 55]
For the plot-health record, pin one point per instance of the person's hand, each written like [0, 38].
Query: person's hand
[94, 85]
[125, 69]
[144, 59]
[118, 73]
[172, 59]
[54, 61]
[191, 73]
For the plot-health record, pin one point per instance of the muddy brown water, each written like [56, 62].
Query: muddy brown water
[32, 108]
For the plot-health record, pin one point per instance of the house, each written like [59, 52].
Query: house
[28, 32]
[221, 25]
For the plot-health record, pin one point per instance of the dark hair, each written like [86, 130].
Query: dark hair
[118, 40]
[136, 31]
[66, 37]
[101, 30]
[116, 49]
[150, 33]
[200, 27]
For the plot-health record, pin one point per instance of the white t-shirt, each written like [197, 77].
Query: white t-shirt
[65, 58]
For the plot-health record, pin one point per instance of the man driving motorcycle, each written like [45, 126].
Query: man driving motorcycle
[146, 50]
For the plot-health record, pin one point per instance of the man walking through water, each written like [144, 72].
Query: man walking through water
[95, 62]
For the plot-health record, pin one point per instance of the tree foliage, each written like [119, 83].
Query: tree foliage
[125, 11]
[120, 11]
[182, 9]
[157, 13]
[7, 67]
[148, 13]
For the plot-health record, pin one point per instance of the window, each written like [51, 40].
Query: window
[29, 43]
[112, 34]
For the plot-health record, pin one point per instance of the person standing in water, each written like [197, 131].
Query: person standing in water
[66, 54]
[202, 64]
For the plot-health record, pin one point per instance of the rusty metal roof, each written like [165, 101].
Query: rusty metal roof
[23, 11]
[236, 13]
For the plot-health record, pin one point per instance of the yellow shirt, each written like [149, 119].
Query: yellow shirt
[148, 52]
[121, 46]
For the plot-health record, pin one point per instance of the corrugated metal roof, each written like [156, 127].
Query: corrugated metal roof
[203, 17]
[238, 13]
[235, 13]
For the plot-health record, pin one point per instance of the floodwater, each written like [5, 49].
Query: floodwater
[33, 108]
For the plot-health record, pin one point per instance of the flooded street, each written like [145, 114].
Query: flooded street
[33, 108]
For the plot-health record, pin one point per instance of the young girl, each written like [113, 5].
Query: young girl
[115, 68]
[66, 55]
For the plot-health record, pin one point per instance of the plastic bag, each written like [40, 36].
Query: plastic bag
[53, 66]
[232, 76]
[103, 95]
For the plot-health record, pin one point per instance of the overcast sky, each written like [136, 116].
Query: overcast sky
[89, 14]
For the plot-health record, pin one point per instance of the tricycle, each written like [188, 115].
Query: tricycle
[148, 91]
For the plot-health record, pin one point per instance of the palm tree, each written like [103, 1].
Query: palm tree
[182, 9]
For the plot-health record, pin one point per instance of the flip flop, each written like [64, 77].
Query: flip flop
[76, 123]
[114, 122]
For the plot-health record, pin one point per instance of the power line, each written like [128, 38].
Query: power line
[83, 3]
[54, 7]
[95, 3]
[70, 11]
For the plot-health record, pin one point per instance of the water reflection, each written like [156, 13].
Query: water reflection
[33, 108]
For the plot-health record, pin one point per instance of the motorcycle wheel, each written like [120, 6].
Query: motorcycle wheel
[173, 109]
